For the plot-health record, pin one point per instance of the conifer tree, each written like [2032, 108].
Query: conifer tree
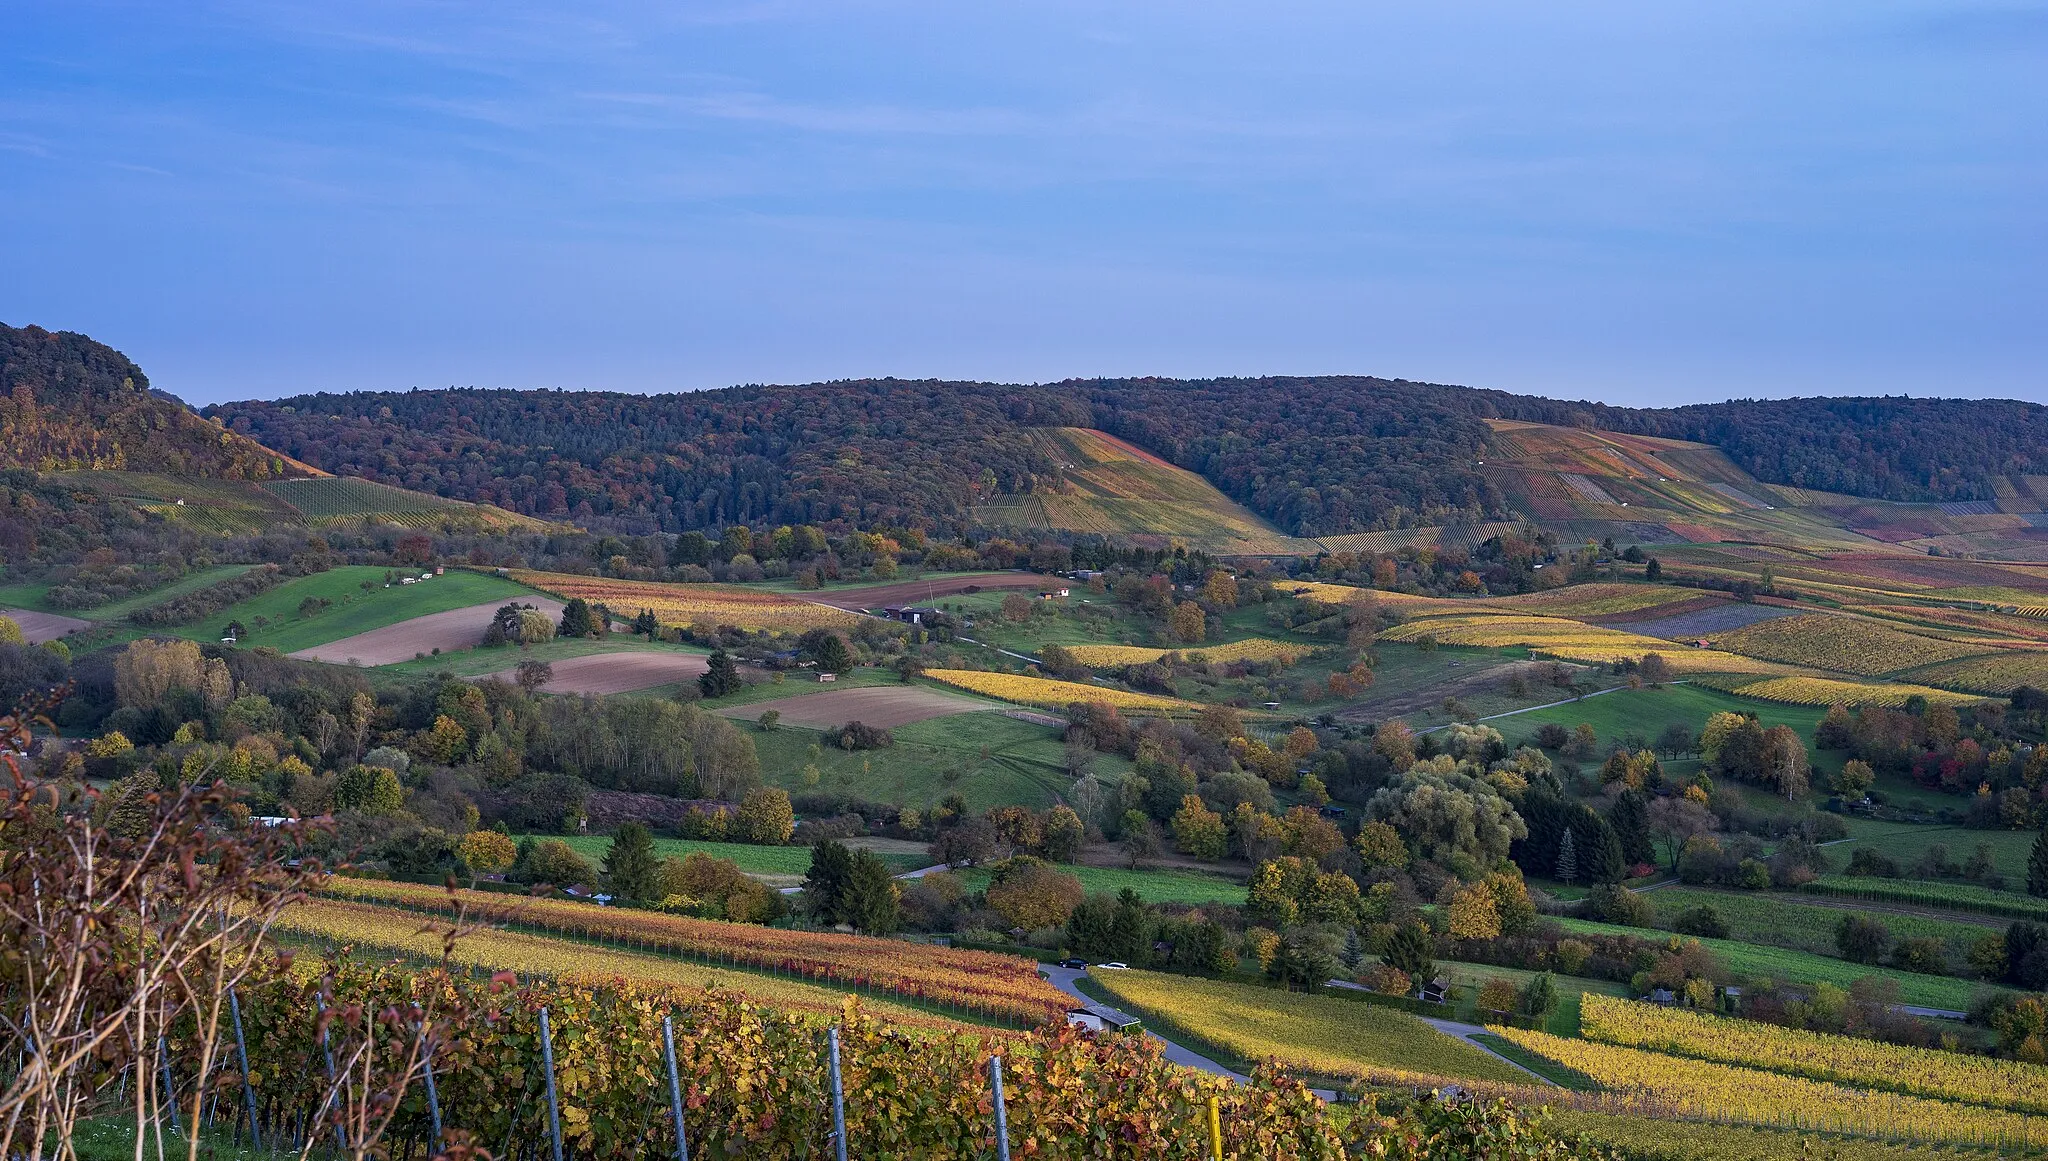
[629, 865]
[1567, 859]
[2037, 866]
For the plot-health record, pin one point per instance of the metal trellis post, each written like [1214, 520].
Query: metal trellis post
[547, 1054]
[675, 1086]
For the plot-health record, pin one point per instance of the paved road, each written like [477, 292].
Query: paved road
[1063, 979]
[1466, 1032]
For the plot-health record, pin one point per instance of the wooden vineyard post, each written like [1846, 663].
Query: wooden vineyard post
[1215, 1131]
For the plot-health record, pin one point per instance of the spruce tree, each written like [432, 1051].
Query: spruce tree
[576, 620]
[1630, 818]
[629, 865]
[871, 902]
[2037, 866]
[1567, 859]
[825, 883]
[722, 677]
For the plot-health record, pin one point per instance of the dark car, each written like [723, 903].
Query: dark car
[1073, 962]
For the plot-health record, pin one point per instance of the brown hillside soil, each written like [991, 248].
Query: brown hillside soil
[41, 627]
[615, 672]
[887, 706]
[448, 631]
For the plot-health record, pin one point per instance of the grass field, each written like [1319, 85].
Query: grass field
[754, 860]
[1749, 959]
[1320, 1035]
[986, 758]
[1779, 920]
[354, 609]
[1161, 885]
[30, 595]
[1646, 712]
[1905, 843]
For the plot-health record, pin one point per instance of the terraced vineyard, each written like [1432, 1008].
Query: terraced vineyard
[1978, 1080]
[1687, 1089]
[1996, 673]
[1319, 1035]
[1842, 644]
[1251, 649]
[1572, 641]
[690, 604]
[1051, 694]
[1823, 691]
[1002, 986]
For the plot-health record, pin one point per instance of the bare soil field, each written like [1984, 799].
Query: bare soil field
[41, 627]
[454, 629]
[924, 592]
[887, 706]
[616, 672]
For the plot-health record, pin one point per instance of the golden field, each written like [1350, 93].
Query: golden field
[1050, 694]
[675, 604]
[1256, 649]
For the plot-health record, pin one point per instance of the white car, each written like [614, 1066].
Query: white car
[1113, 967]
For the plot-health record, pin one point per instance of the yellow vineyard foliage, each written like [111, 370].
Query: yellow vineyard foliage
[677, 604]
[1318, 1035]
[1044, 691]
[1572, 641]
[1998, 673]
[1256, 649]
[1843, 644]
[1821, 691]
[1685, 1089]
[1928, 1072]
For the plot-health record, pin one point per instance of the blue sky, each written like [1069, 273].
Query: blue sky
[1644, 203]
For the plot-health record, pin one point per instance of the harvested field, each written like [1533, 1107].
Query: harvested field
[615, 672]
[1723, 617]
[41, 627]
[454, 629]
[924, 592]
[887, 706]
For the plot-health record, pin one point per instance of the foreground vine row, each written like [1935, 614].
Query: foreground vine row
[1001, 986]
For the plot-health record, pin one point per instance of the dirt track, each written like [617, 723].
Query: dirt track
[454, 629]
[41, 627]
[887, 706]
[924, 592]
[615, 672]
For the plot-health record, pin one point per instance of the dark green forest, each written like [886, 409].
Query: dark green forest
[1317, 456]
[69, 402]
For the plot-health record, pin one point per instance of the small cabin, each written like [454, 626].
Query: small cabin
[825, 677]
[1095, 1018]
[1436, 991]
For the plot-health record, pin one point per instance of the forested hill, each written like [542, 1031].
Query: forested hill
[1316, 456]
[1892, 448]
[69, 402]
